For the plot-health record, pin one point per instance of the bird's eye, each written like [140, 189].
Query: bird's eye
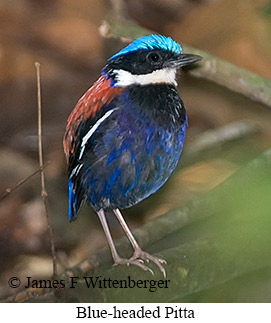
[153, 57]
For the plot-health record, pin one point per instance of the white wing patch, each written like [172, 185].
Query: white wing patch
[92, 130]
[76, 170]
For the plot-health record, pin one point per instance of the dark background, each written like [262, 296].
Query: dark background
[63, 35]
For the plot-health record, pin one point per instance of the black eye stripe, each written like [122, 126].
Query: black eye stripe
[139, 62]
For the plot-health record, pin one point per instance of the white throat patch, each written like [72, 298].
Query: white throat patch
[165, 75]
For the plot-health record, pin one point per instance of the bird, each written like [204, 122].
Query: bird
[125, 136]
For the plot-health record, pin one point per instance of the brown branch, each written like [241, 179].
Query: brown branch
[210, 67]
[119, 8]
[11, 189]
[44, 193]
[231, 249]
[231, 76]
[237, 243]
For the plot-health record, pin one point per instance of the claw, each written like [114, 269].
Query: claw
[142, 255]
[133, 261]
[151, 271]
[139, 255]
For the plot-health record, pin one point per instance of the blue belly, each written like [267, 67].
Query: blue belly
[130, 156]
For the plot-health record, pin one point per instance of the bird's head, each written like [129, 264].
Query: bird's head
[148, 60]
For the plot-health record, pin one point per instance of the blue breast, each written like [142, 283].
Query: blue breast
[134, 151]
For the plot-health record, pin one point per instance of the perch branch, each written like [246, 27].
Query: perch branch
[175, 220]
[238, 242]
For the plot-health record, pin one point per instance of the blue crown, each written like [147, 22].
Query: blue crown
[151, 42]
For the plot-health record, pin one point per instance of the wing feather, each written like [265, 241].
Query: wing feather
[100, 94]
[86, 112]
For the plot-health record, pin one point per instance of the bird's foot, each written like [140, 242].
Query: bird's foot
[138, 259]
[132, 261]
[139, 254]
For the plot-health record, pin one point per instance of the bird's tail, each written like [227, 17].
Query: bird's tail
[75, 202]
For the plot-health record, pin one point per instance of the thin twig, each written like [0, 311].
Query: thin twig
[44, 193]
[11, 189]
